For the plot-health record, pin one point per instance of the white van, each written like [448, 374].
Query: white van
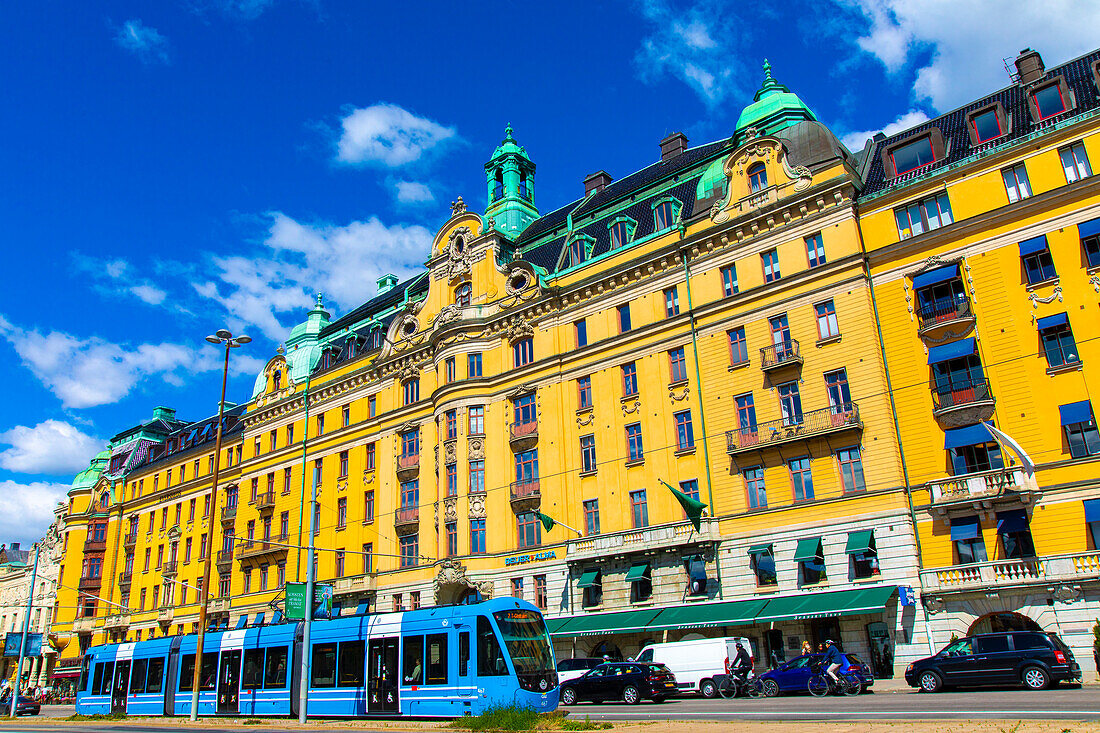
[695, 663]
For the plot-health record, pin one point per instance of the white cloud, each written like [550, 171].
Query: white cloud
[118, 278]
[961, 46]
[26, 510]
[698, 44]
[51, 447]
[85, 372]
[388, 135]
[143, 41]
[343, 262]
[855, 141]
[412, 192]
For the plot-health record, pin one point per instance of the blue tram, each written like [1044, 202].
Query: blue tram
[445, 661]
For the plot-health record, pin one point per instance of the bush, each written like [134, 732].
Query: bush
[513, 717]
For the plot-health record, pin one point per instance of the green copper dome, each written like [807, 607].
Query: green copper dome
[774, 108]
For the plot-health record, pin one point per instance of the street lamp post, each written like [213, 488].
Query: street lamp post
[221, 337]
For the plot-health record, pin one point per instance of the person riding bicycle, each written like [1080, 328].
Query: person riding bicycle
[832, 660]
[741, 664]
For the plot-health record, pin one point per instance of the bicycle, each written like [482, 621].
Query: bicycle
[733, 686]
[821, 684]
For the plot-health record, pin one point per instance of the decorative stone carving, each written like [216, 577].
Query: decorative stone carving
[458, 207]
[476, 447]
[630, 407]
[458, 253]
[1066, 593]
[1055, 294]
[477, 506]
[451, 583]
[450, 450]
[1094, 281]
[407, 372]
[447, 313]
[518, 328]
[368, 476]
[799, 174]
[342, 485]
[586, 419]
[933, 604]
[678, 398]
[450, 509]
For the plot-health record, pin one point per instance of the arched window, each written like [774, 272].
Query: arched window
[619, 234]
[758, 177]
[498, 185]
[276, 379]
[523, 186]
[462, 295]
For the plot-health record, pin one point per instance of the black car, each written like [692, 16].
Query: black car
[25, 706]
[626, 681]
[1035, 658]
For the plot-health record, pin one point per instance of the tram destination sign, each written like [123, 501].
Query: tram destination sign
[295, 605]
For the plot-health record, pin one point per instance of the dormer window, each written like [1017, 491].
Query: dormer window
[1049, 101]
[579, 250]
[622, 229]
[758, 177]
[913, 155]
[462, 295]
[665, 214]
[986, 126]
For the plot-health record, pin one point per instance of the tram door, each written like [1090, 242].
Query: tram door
[382, 676]
[467, 682]
[229, 682]
[121, 688]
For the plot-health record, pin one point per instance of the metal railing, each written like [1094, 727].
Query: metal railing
[958, 394]
[169, 568]
[407, 515]
[844, 416]
[528, 489]
[265, 500]
[522, 431]
[781, 354]
[943, 311]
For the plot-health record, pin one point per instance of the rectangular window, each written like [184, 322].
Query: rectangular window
[368, 506]
[690, 489]
[584, 393]
[290, 434]
[1048, 101]
[763, 567]
[286, 480]
[451, 470]
[473, 364]
[754, 487]
[580, 331]
[523, 410]
[630, 380]
[729, 280]
[410, 443]
[318, 470]
[811, 567]
[339, 563]
[588, 453]
[1075, 163]
[801, 479]
[320, 425]
[477, 476]
[523, 352]
[372, 406]
[851, 469]
[540, 592]
[1091, 245]
[343, 467]
[449, 369]
[517, 587]
[371, 453]
[639, 511]
[1038, 265]
[986, 126]
[923, 216]
[685, 436]
[739, 346]
[450, 424]
[341, 512]
[672, 303]
[284, 525]
[410, 494]
[368, 557]
[790, 403]
[1016, 183]
[591, 517]
[746, 418]
[477, 536]
[677, 365]
[410, 550]
[912, 155]
[1058, 344]
[528, 529]
[634, 442]
[624, 317]
[827, 326]
[815, 250]
[451, 529]
[770, 260]
[476, 421]
[412, 391]
[836, 386]
[527, 467]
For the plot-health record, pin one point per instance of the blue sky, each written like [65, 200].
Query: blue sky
[170, 168]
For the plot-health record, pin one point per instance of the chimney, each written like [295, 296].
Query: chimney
[1029, 65]
[164, 413]
[386, 283]
[15, 547]
[596, 182]
[673, 145]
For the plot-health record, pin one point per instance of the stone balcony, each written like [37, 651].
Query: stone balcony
[936, 319]
[130, 541]
[124, 579]
[523, 435]
[979, 490]
[525, 495]
[224, 559]
[813, 424]
[229, 513]
[963, 403]
[406, 520]
[354, 584]
[116, 621]
[641, 540]
[95, 545]
[169, 569]
[89, 584]
[257, 548]
[1054, 569]
[165, 614]
[83, 625]
[408, 466]
[265, 501]
[217, 605]
[781, 355]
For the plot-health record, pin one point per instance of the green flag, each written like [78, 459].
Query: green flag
[547, 522]
[693, 507]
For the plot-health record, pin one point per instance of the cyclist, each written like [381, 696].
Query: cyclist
[741, 664]
[832, 660]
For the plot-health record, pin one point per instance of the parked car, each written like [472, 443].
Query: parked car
[25, 706]
[697, 662]
[1035, 658]
[626, 681]
[571, 669]
[792, 675]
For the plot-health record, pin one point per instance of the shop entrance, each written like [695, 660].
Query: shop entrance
[823, 629]
[882, 650]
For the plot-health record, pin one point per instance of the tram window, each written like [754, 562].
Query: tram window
[253, 676]
[209, 670]
[437, 659]
[490, 660]
[155, 682]
[275, 671]
[351, 664]
[413, 660]
[137, 676]
[187, 671]
[324, 666]
[84, 665]
[97, 679]
[108, 676]
[463, 653]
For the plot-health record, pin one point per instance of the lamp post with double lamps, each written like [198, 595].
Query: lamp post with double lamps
[222, 336]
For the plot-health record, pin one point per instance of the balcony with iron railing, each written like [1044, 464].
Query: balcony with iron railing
[130, 540]
[981, 486]
[813, 424]
[169, 568]
[525, 495]
[406, 520]
[224, 559]
[408, 466]
[644, 540]
[265, 501]
[953, 314]
[90, 584]
[523, 435]
[229, 512]
[963, 402]
[781, 355]
[93, 545]
[124, 579]
[256, 548]
[1037, 571]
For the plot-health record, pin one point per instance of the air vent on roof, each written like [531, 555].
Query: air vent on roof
[1029, 64]
[673, 145]
[386, 282]
[596, 182]
[163, 413]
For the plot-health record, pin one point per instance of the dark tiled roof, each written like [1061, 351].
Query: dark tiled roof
[202, 435]
[416, 285]
[953, 125]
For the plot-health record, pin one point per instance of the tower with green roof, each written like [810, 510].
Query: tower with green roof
[510, 175]
[774, 108]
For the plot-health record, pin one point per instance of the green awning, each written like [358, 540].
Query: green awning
[699, 615]
[764, 549]
[827, 604]
[860, 542]
[808, 549]
[553, 624]
[589, 579]
[594, 624]
[638, 571]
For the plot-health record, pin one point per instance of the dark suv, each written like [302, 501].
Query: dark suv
[1035, 658]
[626, 681]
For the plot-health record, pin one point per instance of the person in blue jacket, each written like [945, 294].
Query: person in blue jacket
[832, 659]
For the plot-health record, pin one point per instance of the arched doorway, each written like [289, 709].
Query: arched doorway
[1003, 621]
[607, 649]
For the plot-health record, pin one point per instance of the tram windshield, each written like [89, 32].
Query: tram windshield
[525, 637]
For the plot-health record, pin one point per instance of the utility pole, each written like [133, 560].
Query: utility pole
[26, 632]
[306, 648]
